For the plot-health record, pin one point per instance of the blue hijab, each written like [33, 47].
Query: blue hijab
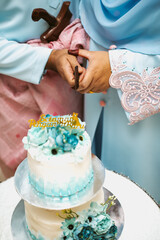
[129, 24]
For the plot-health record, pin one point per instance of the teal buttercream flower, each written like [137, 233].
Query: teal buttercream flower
[37, 135]
[48, 146]
[83, 231]
[64, 139]
[60, 140]
[96, 208]
[110, 235]
[83, 216]
[72, 140]
[104, 223]
[68, 226]
[93, 223]
[50, 138]
[96, 218]
[90, 215]
[112, 232]
[52, 132]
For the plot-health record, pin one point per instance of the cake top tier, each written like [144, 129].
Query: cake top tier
[55, 134]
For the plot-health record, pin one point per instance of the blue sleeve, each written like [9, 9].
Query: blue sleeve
[74, 8]
[23, 61]
[136, 77]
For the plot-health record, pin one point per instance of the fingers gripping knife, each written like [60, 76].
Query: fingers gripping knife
[56, 24]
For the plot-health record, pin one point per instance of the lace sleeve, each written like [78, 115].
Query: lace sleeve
[137, 78]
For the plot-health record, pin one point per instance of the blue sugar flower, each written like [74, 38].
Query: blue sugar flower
[59, 140]
[65, 139]
[91, 216]
[111, 232]
[37, 135]
[87, 217]
[67, 147]
[48, 146]
[110, 235]
[104, 223]
[96, 208]
[82, 216]
[52, 132]
[83, 231]
[72, 139]
[68, 226]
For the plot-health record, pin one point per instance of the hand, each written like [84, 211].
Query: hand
[63, 63]
[96, 78]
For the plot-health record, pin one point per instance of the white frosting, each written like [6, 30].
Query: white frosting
[47, 223]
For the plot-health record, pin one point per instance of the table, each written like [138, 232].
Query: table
[142, 214]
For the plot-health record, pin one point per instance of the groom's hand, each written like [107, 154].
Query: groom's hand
[63, 63]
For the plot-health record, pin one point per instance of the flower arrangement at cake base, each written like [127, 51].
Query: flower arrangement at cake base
[93, 223]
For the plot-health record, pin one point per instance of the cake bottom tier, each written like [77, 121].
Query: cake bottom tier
[46, 224]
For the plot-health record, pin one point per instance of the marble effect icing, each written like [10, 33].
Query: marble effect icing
[67, 173]
[56, 190]
[59, 156]
[45, 224]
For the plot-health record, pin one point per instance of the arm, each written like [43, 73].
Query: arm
[28, 63]
[136, 77]
[22, 61]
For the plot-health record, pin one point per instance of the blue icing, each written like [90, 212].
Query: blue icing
[41, 186]
[32, 236]
[52, 189]
[72, 184]
[32, 180]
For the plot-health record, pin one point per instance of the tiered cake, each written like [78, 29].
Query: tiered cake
[60, 167]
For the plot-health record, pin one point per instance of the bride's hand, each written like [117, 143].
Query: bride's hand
[97, 75]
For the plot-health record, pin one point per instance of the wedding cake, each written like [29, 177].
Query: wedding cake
[60, 167]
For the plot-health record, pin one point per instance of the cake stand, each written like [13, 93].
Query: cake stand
[30, 195]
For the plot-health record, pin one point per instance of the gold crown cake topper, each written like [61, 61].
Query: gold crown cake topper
[51, 121]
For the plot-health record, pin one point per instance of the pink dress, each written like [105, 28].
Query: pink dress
[21, 101]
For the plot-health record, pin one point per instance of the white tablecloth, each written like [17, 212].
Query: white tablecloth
[142, 215]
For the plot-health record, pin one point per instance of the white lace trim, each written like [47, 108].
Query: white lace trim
[140, 92]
